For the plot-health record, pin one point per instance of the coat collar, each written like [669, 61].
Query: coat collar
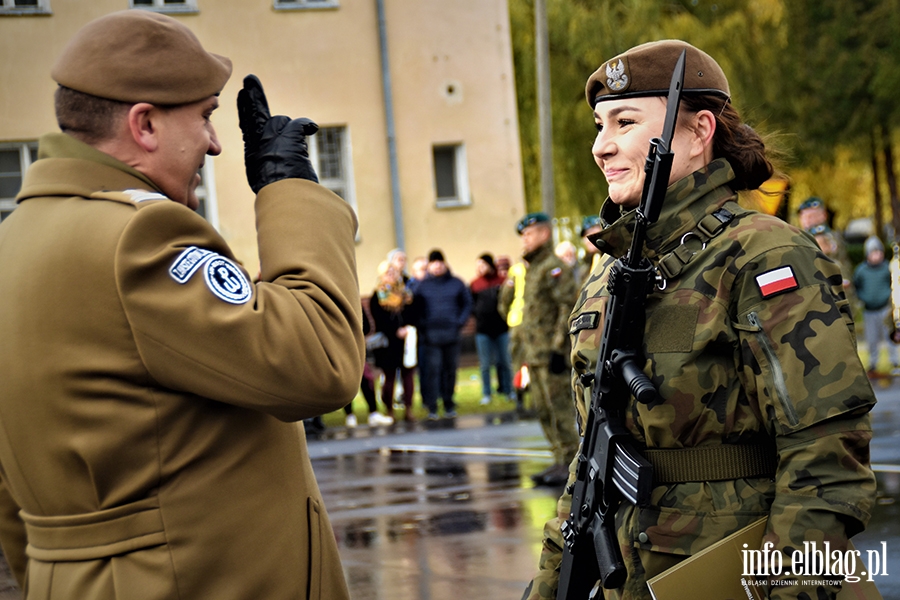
[687, 201]
[539, 253]
[67, 167]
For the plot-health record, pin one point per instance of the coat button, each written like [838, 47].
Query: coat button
[643, 538]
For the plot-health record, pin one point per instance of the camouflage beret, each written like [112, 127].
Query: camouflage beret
[646, 70]
[588, 222]
[811, 202]
[531, 219]
[140, 56]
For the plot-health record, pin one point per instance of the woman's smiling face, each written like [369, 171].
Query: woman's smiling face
[624, 130]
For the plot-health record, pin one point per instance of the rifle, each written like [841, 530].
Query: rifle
[610, 468]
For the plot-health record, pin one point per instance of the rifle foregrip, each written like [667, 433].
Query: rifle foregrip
[639, 384]
[609, 557]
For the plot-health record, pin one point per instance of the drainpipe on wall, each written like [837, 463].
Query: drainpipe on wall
[545, 126]
[391, 133]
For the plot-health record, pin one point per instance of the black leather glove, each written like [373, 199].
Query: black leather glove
[557, 363]
[274, 147]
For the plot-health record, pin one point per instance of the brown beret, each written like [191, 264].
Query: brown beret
[646, 70]
[140, 56]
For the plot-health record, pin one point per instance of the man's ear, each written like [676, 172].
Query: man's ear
[141, 120]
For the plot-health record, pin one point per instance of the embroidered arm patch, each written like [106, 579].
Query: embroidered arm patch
[223, 278]
[588, 320]
[187, 263]
[226, 280]
[776, 281]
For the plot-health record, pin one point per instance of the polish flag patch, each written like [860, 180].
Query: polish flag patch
[776, 281]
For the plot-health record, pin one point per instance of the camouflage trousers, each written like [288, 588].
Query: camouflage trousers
[556, 411]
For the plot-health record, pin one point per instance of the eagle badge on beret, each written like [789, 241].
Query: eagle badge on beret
[616, 79]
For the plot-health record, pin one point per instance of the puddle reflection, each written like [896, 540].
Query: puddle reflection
[378, 497]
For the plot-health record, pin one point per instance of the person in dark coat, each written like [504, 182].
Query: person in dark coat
[444, 307]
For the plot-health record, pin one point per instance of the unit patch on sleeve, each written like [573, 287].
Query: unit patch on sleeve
[776, 281]
[223, 278]
[588, 320]
[188, 262]
[226, 280]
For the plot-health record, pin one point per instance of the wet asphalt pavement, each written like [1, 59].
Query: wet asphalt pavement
[450, 511]
[447, 510]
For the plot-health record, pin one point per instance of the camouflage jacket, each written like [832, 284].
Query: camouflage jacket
[549, 294]
[734, 362]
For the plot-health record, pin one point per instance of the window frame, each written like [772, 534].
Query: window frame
[182, 7]
[289, 5]
[463, 197]
[8, 204]
[347, 180]
[8, 7]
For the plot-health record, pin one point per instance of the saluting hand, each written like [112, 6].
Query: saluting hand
[274, 147]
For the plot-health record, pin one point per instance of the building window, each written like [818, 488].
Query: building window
[24, 7]
[14, 161]
[329, 151]
[304, 4]
[451, 177]
[166, 6]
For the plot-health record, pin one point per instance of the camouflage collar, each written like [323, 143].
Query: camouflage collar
[687, 202]
[540, 252]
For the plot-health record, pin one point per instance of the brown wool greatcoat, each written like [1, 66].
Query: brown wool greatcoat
[148, 433]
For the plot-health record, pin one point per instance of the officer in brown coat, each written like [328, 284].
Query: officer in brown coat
[148, 439]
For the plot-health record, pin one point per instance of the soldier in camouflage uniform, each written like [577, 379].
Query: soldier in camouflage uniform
[589, 226]
[550, 292]
[813, 216]
[749, 340]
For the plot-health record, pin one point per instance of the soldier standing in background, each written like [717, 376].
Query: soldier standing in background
[589, 226]
[815, 218]
[549, 294]
[762, 407]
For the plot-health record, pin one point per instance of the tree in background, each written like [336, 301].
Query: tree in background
[819, 78]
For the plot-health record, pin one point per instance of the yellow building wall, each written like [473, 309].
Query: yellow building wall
[452, 82]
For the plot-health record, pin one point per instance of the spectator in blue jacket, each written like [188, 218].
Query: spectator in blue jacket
[872, 279]
[444, 305]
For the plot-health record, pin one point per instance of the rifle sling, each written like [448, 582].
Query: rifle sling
[712, 463]
[672, 264]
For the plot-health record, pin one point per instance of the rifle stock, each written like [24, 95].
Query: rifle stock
[609, 468]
